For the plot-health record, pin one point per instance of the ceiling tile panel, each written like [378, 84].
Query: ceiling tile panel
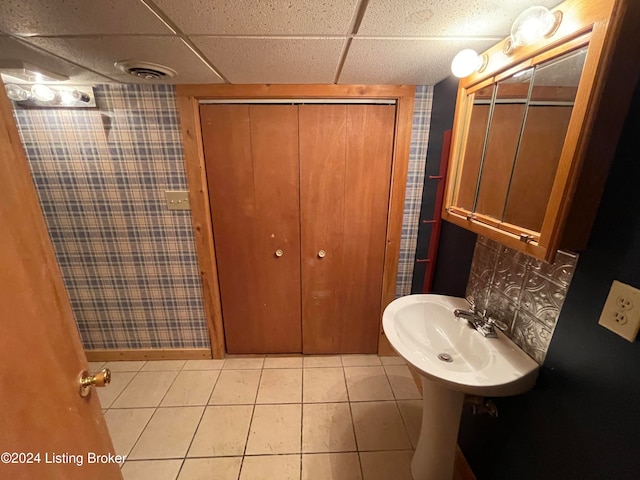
[78, 17]
[12, 49]
[401, 61]
[444, 18]
[270, 60]
[264, 17]
[100, 53]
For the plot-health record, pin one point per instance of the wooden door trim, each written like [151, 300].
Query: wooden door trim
[188, 97]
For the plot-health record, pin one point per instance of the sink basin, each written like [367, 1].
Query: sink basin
[422, 327]
[453, 360]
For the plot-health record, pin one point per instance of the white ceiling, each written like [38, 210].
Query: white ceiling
[255, 41]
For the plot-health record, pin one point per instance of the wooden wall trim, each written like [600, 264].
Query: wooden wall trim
[400, 166]
[148, 354]
[201, 220]
[187, 99]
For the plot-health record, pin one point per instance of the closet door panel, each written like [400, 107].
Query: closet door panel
[370, 133]
[345, 168]
[322, 201]
[252, 170]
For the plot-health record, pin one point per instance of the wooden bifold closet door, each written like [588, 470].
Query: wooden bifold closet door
[299, 202]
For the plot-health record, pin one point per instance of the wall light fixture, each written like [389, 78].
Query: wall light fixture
[531, 26]
[51, 96]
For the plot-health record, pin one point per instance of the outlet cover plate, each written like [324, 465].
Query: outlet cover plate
[177, 199]
[621, 311]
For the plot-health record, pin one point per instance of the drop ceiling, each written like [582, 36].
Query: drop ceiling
[255, 41]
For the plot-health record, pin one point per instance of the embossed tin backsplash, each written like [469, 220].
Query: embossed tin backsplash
[525, 293]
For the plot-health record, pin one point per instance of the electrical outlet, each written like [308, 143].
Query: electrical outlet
[621, 312]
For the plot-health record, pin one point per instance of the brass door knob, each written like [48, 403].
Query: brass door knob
[279, 252]
[100, 379]
[322, 253]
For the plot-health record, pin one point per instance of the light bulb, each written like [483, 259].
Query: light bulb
[43, 93]
[532, 25]
[17, 93]
[465, 63]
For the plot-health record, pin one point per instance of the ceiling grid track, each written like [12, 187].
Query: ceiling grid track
[353, 30]
[185, 39]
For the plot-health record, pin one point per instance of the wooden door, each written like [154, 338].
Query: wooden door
[345, 171]
[41, 355]
[251, 155]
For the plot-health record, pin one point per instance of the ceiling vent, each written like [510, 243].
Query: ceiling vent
[145, 70]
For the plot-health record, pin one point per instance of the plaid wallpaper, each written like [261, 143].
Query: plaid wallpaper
[415, 183]
[128, 262]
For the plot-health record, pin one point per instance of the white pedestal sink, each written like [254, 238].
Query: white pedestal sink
[453, 359]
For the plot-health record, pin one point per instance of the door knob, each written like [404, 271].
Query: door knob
[279, 252]
[322, 253]
[100, 379]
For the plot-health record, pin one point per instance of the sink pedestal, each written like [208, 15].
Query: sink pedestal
[435, 453]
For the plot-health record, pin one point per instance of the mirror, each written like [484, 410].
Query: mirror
[509, 108]
[474, 147]
[555, 84]
[514, 141]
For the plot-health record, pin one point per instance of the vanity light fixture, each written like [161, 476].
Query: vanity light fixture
[51, 96]
[43, 93]
[468, 61]
[529, 27]
[532, 25]
[17, 93]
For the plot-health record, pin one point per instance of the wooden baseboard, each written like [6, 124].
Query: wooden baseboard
[148, 354]
[462, 470]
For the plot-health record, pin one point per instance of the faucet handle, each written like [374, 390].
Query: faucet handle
[497, 323]
[472, 303]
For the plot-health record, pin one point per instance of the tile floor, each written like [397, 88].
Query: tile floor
[350, 417]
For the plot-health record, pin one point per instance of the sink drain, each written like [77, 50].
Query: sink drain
[445, 357]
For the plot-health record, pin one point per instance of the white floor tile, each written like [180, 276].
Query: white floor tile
[222, 431]
[145, 390]
[275, 429]
[360, 360]
[402, 383]
[236, 387]
[191, 388]
[163, 365]
[212, 364]
[119, 382]
[225, 468]
[283, 362]
[168, 433]
[125, 426]
[411, 411]
[324, 385]
[271, 467]
[250, 363]
[322, 361]
[125, 365]
[378, 426]
[367, 383]
[327, 427]
[151, 470]
[386, 465]
[331, 466]
[280, 385]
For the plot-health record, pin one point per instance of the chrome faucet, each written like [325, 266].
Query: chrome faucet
[479, 320]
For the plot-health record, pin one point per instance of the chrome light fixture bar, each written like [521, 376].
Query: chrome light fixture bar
[51, 96]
